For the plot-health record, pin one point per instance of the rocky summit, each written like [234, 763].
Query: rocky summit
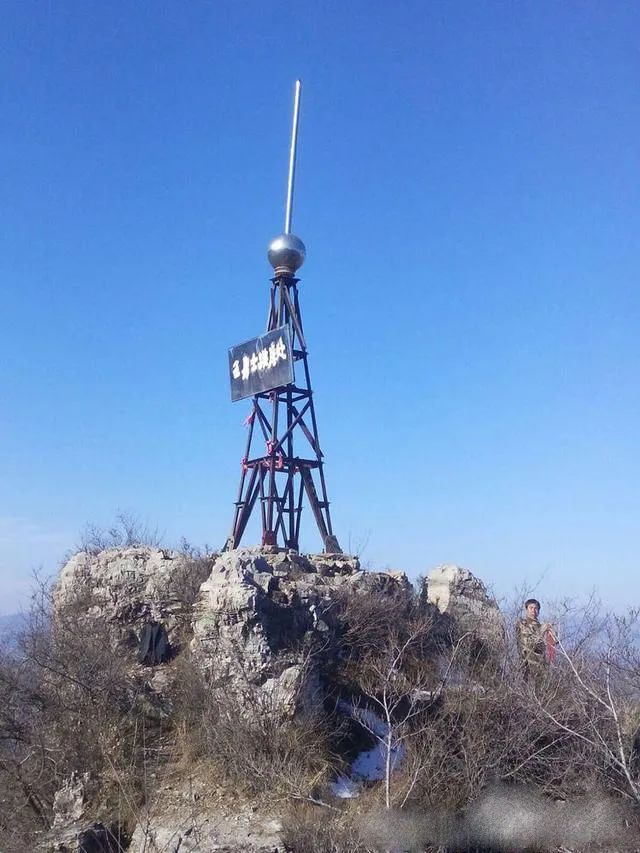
[222, 690]
[252, 613]
[259, 611]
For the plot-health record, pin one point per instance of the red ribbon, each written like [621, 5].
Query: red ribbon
[551, 647]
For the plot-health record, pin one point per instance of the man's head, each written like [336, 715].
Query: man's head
[532, 607]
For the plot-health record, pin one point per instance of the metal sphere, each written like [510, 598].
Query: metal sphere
[286, 254]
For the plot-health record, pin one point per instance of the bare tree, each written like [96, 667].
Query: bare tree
[127, 531]
[603, 689]
[397, 688]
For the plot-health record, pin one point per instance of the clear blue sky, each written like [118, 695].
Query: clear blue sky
[469, 195]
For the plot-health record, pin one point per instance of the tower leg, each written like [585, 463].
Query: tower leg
[329, 541]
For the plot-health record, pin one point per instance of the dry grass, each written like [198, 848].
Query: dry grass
[466, 721]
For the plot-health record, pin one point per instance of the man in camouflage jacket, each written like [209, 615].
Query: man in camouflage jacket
[533, 637]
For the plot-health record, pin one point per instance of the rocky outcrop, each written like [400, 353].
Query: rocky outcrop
[132, 587]
[260, 611]
[463, 598]
[280, 626]
[176, 827]
[254, 614]
[259, 622]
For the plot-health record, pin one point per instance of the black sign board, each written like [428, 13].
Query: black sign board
[261, 364]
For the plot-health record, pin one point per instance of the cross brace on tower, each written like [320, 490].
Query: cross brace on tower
[284, 418]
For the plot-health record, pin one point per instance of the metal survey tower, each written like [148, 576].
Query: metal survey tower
[283, 460]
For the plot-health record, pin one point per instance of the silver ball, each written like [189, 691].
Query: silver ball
[286, 254]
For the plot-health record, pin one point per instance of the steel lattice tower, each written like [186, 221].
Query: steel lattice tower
[283, 460]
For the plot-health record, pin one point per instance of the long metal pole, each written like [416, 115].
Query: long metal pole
[292, 159]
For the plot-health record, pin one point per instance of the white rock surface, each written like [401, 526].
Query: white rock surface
[259, 610]
[463, 597]
[70, 800]
[130, 586]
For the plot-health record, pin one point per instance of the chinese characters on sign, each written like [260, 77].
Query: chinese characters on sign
[261, 360]
[261, 364]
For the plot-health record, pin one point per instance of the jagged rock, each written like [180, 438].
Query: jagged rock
[257, 613]
[71, 831]
[465, 600]
[70, 800]
[131, 587]
[90, 838]
[259, 610]
[186, 837]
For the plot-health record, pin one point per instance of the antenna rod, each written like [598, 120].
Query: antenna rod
[292, 159]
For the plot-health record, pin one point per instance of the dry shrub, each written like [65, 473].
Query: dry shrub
[466, 718]
[72, 706]
[368, 617]
[127, 531]
[272, 755]
[187, 577]
[315, 829]
[255, 744]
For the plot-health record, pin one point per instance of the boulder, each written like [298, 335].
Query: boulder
[463, 598]
[69, 801]
[130, 588]
[261, 611]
